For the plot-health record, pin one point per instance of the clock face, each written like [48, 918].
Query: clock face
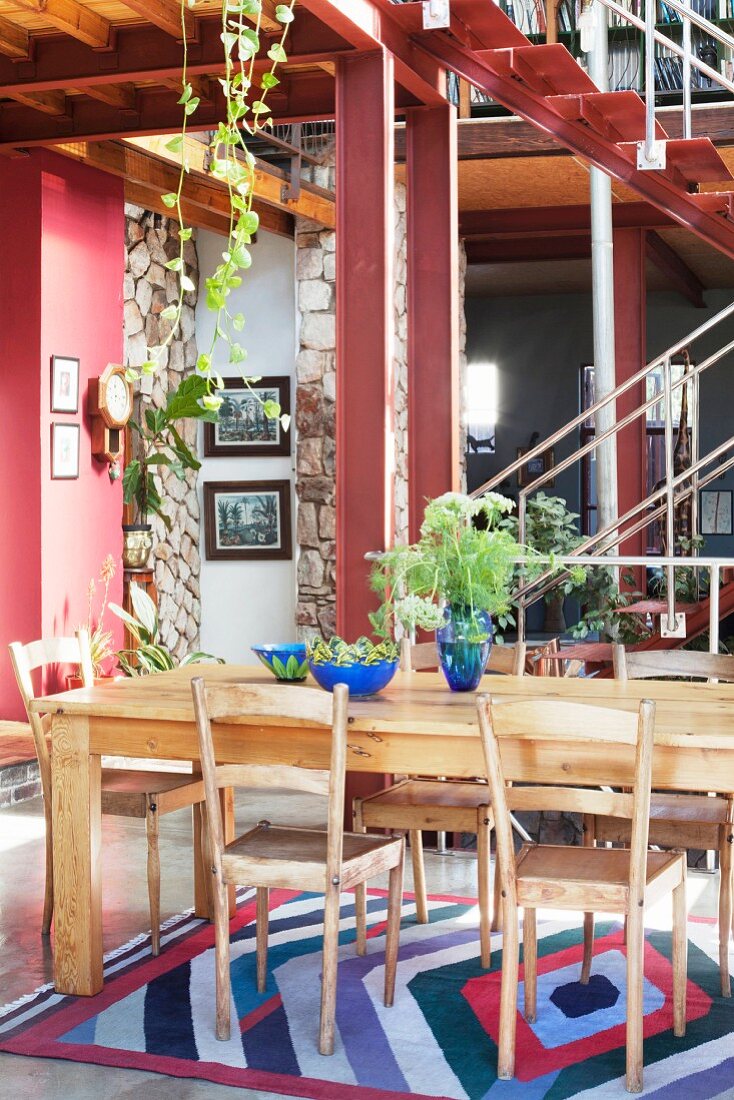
[118, 398]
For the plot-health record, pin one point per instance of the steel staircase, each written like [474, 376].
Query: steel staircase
[616, 131]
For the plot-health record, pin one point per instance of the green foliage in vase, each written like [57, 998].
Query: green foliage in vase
[465, 556]
[362, 652]
[160, 444]
[150, 656]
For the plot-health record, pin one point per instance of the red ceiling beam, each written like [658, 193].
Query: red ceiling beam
[594, 147]
[375, 24]
[547, 220]
[147, 53]
[529, 249]
[670, 264]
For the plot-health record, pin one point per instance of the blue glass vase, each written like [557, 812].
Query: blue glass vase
[464, 643]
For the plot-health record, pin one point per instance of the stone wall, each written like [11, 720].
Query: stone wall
[152, 240]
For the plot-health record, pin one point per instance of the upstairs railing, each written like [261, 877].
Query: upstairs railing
[661, 502]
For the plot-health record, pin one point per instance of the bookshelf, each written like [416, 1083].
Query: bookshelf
[627, 47]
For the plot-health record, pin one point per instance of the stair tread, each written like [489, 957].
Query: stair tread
[697, 160]
[551, 65]
[652, 607]
[582, 651]
[714, 202]
[485, 26]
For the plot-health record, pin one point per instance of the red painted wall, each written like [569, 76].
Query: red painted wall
[71, 305]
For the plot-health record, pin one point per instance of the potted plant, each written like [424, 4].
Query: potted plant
[550, 529]
[100, 639]
[454, 580]
[150, 656]
[159, 444]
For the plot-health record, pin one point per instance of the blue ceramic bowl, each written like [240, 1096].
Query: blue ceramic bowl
[286, 661]
[360, 679]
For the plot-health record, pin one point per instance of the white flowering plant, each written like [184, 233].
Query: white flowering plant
[464, 557]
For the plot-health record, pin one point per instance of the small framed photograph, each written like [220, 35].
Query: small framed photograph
[64, 384]
[242, 427]
[247, 520]
[716, 511]
[527, 474]
[64, 452]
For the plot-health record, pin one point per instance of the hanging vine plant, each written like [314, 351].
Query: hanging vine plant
[247, 112]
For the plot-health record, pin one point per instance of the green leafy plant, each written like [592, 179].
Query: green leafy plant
[465, 556]
[160, 444]
[150, 656]
[362, 652]
[246, 113]
[100, 639]
[691, 584]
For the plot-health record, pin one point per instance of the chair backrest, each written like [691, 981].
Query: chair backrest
[543, 719]
[25, 659]
[506, 659]
[659, 663]
[215, 702]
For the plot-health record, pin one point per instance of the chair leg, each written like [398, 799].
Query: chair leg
[360, 890]
[530, 961]
[725, 906]
[221, 954]
[419, 875]
[392, 932]
[635, 950]
[508, 994]
[496, 900]
[154, 873]
[484, 832]
[680, 956]
[589, 829]
[588, 948]
[48, 894]
[261, 937]
[328, 980]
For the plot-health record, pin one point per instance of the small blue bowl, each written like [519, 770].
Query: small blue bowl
[360, 679]
[286, 662]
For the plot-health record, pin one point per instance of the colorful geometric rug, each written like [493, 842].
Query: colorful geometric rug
[439, 1039]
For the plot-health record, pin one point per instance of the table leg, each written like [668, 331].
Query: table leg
[202, 874]
[77, 827]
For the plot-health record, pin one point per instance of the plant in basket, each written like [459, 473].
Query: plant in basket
[101, 640]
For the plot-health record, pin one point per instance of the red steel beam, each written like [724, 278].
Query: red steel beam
[147, 53]
[581, 139]
[364, 338]
[529, 249]
[667, 261]
[433, 337]
[549, 220]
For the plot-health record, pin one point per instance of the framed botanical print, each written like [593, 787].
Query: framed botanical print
[242, 427]
[64, 384]
[247, 520]
[64, 452]
[716, 511]
[535, 467]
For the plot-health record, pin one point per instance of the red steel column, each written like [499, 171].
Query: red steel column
[433, 307]
[630, 316]
[364, 328]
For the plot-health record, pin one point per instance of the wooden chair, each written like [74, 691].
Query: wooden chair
[125, 791]
[679, 820]
[415, 805]
[323, 861]
[557, 877]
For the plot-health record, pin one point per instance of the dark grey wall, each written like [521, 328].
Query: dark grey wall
[539, 343]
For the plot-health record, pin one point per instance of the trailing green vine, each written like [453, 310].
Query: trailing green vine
[233, 164]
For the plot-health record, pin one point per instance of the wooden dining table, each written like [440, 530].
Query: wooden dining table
[416, 725]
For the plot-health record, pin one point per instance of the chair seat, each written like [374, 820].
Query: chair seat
[676, 820]
[427, 804]
[590, 878]
[125, 791]
[288, 858]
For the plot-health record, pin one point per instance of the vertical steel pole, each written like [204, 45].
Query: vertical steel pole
[650, 6]
[714, 574]
[602, 274]
[669, 501]
[686, 72]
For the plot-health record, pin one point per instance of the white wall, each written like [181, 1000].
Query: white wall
[243, 602]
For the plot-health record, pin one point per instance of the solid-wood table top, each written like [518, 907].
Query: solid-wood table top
[696, 715]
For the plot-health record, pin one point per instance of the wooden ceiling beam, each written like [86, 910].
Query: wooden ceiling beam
[14, 40]
[150, 199]
[201, 87]
[48, 103]
[121, 96]
[165, 14]
[73, 18]
[529, 249]
[675, 269]
[547, 220]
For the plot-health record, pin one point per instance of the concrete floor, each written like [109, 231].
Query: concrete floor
[26, 961]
